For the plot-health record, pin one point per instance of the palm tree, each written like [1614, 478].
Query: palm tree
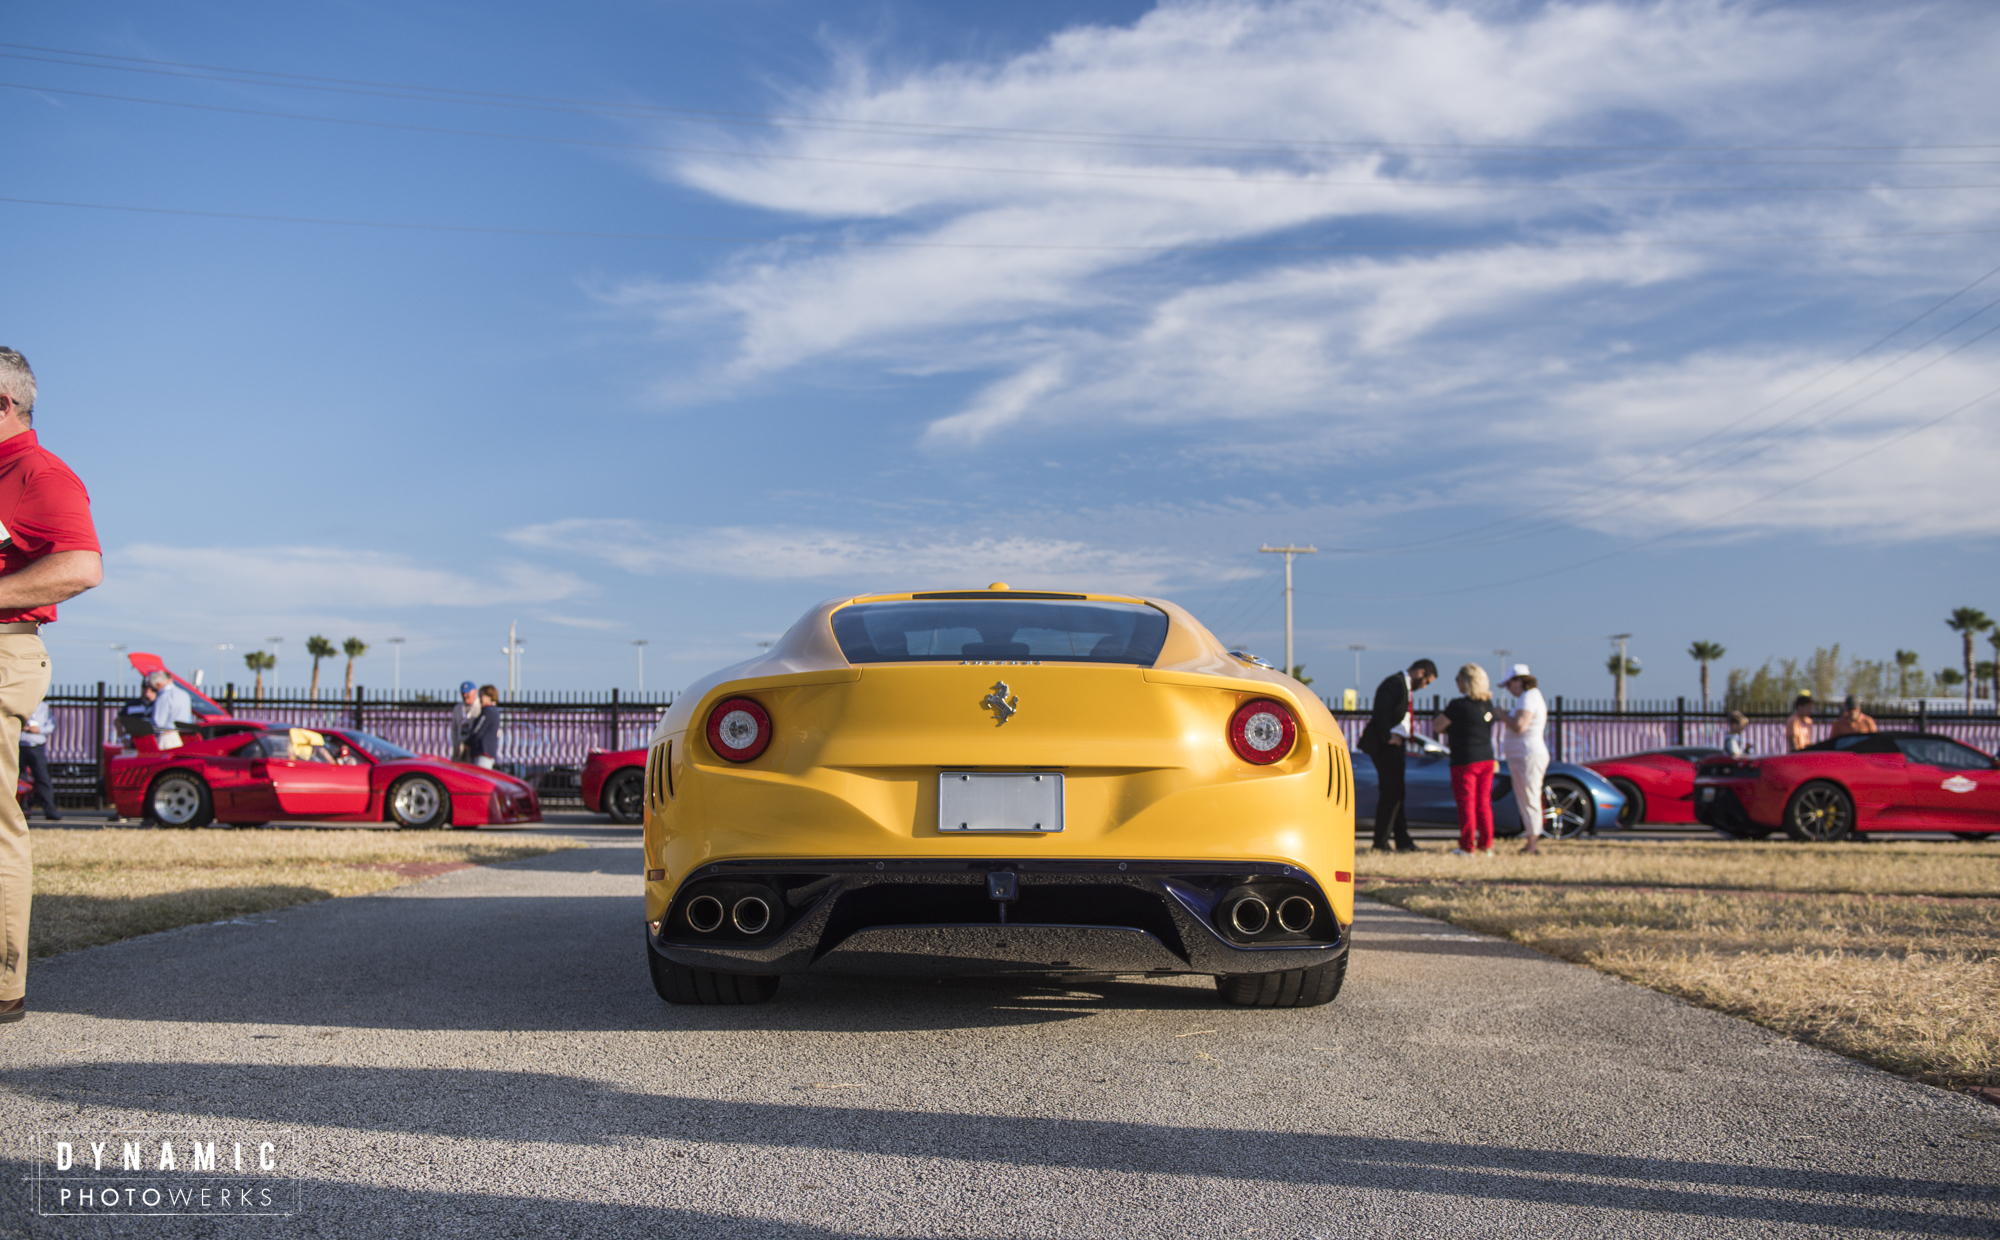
[1950, 676]
[1985, 670]
[1905, 660]
[1705, 653]
[1993, 640]
[353, 648]
[319, 648]
[1619, 674]
[260, 661]
[1299, 674]
[1968, 621]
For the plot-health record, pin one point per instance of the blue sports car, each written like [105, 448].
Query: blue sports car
[1576, 799]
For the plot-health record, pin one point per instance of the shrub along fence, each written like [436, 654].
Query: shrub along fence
[544, 737]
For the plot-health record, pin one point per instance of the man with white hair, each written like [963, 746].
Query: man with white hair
[171, 707]
[48, 553]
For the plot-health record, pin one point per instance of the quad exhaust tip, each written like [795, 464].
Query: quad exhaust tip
[751, 915]
[705, 914]
[1250, 915]
[1295, 914]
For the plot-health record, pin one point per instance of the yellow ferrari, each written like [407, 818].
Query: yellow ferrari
[999, 781]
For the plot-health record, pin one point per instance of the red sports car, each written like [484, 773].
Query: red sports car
[1885, 781]
[614, 783]
[248, 776]
[1658, 784]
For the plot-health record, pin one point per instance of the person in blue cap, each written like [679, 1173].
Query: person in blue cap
[463, 716]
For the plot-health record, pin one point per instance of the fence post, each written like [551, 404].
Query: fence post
[1923, 715]
[1680, 721]
[613, 742]
[1556, 720]
[102, 774]
[359, 693]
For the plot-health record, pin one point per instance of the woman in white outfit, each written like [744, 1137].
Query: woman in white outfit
[1527, 756]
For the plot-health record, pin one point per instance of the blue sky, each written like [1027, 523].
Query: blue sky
[665, 321]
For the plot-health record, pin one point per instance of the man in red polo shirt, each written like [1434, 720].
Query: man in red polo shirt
[48, 553]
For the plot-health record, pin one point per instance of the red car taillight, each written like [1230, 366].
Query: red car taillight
[738, 729]
[1262, 731]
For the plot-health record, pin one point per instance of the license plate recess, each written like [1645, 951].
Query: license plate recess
[1026, 802]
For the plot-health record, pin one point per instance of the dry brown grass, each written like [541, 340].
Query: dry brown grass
[1918, 867]
[94, 887]
[1908, 979]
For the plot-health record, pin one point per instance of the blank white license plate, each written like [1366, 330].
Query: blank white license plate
[991, 801]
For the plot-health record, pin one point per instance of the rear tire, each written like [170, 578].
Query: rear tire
[1819, 813]
[1573, 812]
[677, 983]
[1291, 989]
[1634, 811]
[419, 803]
[624, 796]
[180, 799]
[1974, 837]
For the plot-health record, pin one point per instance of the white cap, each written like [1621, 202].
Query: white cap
[1519, 669]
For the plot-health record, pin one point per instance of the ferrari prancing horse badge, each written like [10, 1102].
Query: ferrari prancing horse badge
[1002, 706]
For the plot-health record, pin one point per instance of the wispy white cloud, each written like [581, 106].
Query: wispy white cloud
[869, 562]
[1508, 339]
[279, 579]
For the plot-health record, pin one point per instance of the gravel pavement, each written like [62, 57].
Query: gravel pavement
[482, 1055]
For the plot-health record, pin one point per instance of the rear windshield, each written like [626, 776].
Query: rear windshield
[981, 630]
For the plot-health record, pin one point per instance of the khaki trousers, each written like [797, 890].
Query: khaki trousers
[1527, 770]
[24, 681]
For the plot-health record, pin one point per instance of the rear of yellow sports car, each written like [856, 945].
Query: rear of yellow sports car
[999, 781]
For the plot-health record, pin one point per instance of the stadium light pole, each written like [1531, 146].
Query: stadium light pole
[640, 642]
[1288, 551]
[396, 644]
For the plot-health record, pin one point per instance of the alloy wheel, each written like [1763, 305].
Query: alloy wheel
[176, 800]
[1566, 809]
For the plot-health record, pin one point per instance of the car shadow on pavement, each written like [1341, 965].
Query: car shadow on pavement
[550, 1108]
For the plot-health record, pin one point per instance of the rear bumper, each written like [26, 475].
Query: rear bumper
[1723, 811]
[936, 918]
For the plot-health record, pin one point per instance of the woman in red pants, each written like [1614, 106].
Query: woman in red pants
[1467, 726]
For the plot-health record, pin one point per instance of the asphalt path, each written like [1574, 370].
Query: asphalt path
[482, 1055]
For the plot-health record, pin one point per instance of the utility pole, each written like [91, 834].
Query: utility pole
[1357, 668]
[640, 642]
[1288, 552]
[396, 643]
[274, 663]
[1621, 639]
[513, 652]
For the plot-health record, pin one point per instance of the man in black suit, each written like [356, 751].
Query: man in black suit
[1389, 725]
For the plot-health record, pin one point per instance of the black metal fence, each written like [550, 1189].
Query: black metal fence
[544, 737]
[1585, 730]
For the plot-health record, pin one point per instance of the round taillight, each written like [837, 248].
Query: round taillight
[738, 729]
[1262, 731]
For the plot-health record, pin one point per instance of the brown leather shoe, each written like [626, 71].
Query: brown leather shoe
[12, 1010]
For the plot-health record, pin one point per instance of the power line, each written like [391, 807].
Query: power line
[865, 243]
[870, 128]
[919, 128]
[1074, 173]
